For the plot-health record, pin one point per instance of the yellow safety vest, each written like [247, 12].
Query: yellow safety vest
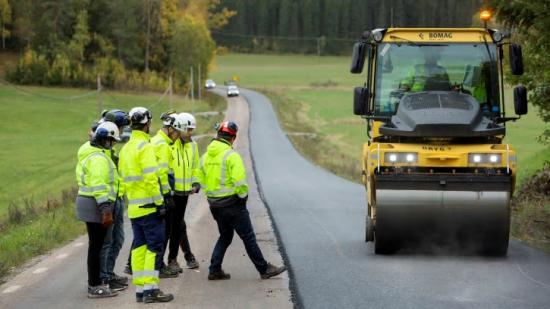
[163, 150]
[222, 172]
[139, 170]
[96, 174]
[185, 165]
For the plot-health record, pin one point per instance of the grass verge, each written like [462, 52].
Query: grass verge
[531, 210]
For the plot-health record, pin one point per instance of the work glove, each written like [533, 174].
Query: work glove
[107, 219]
[169, 202]
[161, 212]
[195, 187]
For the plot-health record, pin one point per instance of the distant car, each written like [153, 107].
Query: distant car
[232, 91]
[209, 84]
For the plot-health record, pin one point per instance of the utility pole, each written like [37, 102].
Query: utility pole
[170, 93]
[148, 39]
[99, 100]
[199, 88]
[192, 85]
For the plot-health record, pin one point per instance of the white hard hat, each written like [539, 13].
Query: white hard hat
[180, 123]
[140, 115]
[189, 120]
[107, 129]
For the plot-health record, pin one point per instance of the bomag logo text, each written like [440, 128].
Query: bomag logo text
[436, 148]
[441, 35]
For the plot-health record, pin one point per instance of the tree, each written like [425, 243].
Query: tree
[190, 46]
[531, 22]
[5, 19]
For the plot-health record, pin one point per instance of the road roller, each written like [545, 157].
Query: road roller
[436, 168]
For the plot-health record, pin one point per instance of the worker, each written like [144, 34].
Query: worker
[185, 167]
[223, 178]
[114, 238]
[97, 179]
[429, 76]
[162, 143]
[138, 167]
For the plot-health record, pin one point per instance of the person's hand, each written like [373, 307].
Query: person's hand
[107, 219]
[169, 202]
[161, 211]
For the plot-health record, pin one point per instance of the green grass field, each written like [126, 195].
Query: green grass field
[327, 110]
[41, 136]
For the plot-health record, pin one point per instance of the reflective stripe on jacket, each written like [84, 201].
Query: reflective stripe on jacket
[139, 170]
[163, 150]
[222, 172]
[185, 165]
[96, 174]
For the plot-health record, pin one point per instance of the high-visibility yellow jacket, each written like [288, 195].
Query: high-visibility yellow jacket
[417, 78]
[185, 165]
[138, 167]
[96, 174]
[163, 150]
[222, 172]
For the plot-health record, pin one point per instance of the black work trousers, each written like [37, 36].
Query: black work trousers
[176, 230]
[230, 219]
[96, 236]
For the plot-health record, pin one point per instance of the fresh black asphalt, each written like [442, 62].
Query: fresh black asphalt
[319, 218]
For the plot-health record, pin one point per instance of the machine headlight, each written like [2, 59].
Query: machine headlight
[497, 36]
[377, 35]
[401, 157]
[493, 158]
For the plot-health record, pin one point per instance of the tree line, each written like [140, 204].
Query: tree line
[530, 21]
[329, 26]
[131, 43]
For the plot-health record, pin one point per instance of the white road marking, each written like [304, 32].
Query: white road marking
[61, 256]
[79, 244]
[11, 289]
[40, 270]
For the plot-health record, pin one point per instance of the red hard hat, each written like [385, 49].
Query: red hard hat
[227, 127]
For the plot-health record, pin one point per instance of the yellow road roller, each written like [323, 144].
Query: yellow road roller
[435, 167]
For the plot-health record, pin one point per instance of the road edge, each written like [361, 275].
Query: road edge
[294, 293]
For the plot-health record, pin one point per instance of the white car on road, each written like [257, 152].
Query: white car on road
[232, 91]
[209, 84]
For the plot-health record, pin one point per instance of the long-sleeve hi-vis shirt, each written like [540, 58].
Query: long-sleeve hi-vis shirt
[138, 167]
[185, 165]
[96, 174]
[163, 150]
[222, 172]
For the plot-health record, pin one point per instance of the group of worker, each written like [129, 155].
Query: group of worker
[154, 177]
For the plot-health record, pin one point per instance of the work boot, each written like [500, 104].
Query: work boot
[192, 263]
[119, 279]
[139, 297]
[100, 291]
[166, 272]
[128, 269]
[116, 286]
[219, 275]
[272, 271]
[175, 266]
[157, 296]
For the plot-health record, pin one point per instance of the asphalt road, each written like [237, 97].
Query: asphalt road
[319, 218]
